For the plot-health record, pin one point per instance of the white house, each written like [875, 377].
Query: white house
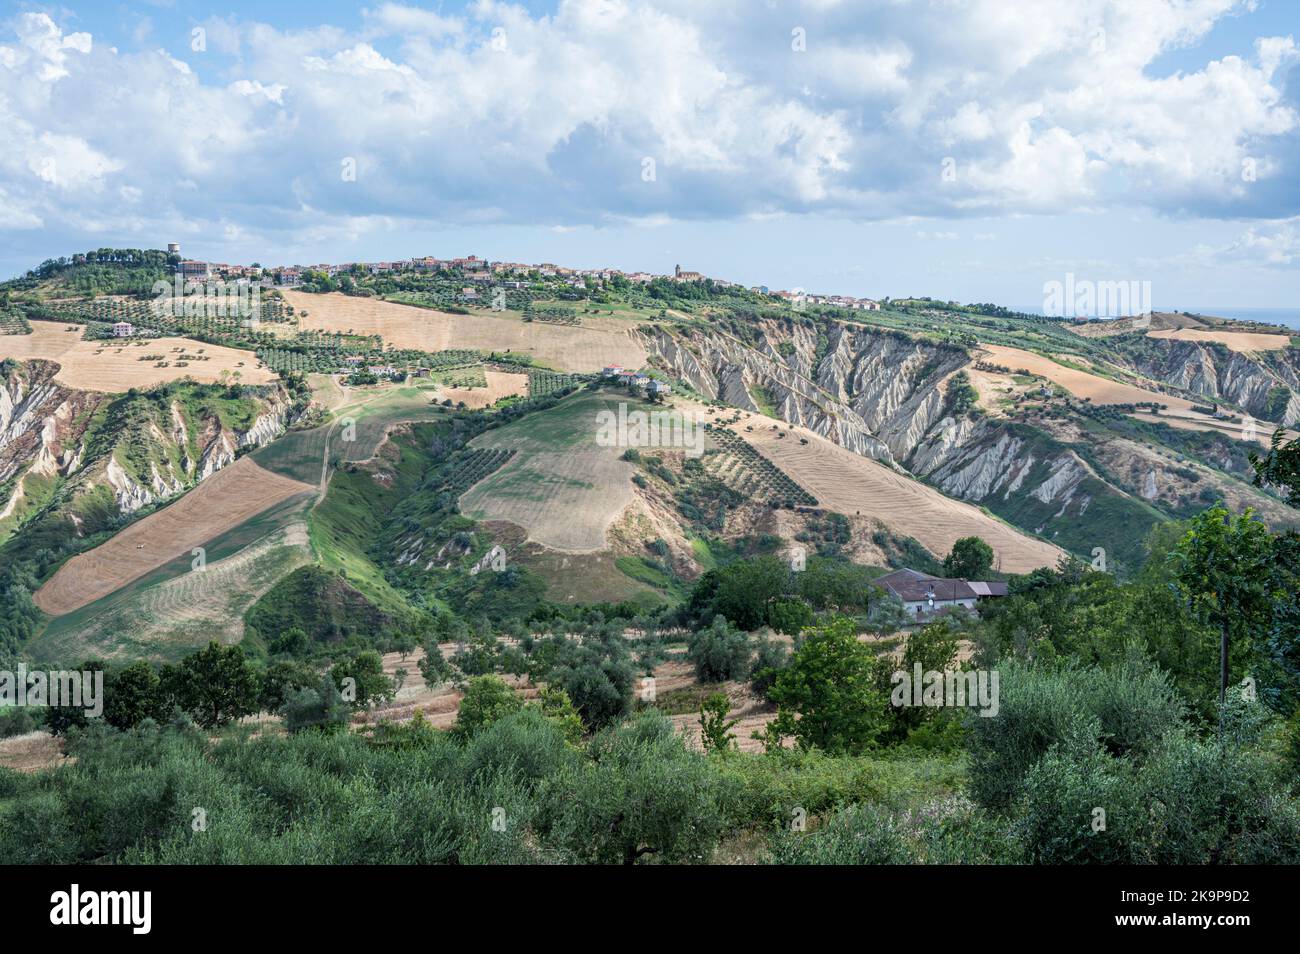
[923, 595]
[123, 329]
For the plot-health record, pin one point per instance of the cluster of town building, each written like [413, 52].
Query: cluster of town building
[479, 271]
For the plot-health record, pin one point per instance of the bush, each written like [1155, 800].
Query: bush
[1208, 800]
[1132, 707]
[18, 720]
[524, 745]
[719, 652]
[1082, 806]
[770, 657]
[321, 708]
[953, 831]
[642, 794]
[597, 674]
[857, 835]
[487, 699]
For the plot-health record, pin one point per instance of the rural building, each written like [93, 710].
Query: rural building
[612, 371]
[924, 595]
[658, 387]
[190, 269]
[123, 329]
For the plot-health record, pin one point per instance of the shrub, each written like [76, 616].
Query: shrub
[597, 673]
[715, 727]
[719, 652]
[770, 657]
[524, 745]
[1082, 806]
[1132, 707]
[641, 794]
[487, 699]
[321, 708]
[857, 835]
[953, 831]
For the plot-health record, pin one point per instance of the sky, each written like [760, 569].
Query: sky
[974, 150]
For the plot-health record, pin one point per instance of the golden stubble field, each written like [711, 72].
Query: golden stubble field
[115, 366]
[1243, 341]
[582, 348]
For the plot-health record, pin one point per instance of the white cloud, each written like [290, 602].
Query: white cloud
[549, 120]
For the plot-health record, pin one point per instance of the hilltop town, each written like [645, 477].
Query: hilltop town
[478, 272]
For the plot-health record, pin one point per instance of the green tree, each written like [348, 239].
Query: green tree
[282, 678]
[487, 699]
[747, 589]
[830, 584]
[770, 657]
[59, 719]
[1221, 568]
[971, 559]
[1280, 467]
[321, 708]
[215, 685]
[790, 616]
[131, 695]
[828, 697]
[715, 727]
[560, 711]
[433, 666]
[362, 680]
[597, 673]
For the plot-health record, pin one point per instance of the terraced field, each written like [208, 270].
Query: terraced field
[361, 421]
[736, 463]
[1100, 390]
[1243, 341]
[561, 486]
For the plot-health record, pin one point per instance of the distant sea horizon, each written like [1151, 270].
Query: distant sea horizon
[1287, 317]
